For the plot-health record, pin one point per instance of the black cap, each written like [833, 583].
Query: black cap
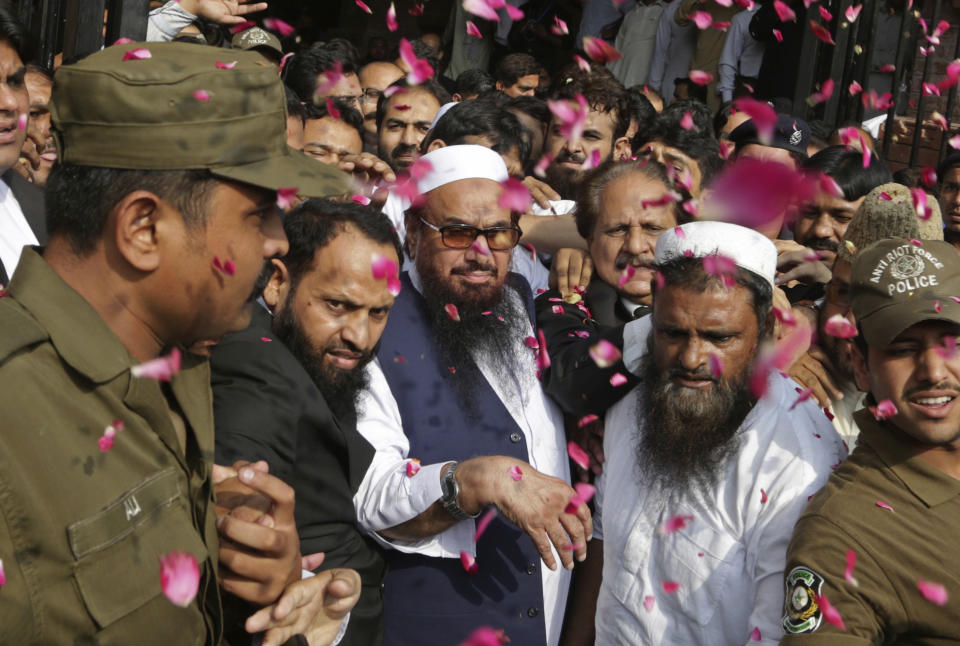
[790, 133]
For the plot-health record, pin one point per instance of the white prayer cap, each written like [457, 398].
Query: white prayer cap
[442, 111]
[453, 163]
[745, 247]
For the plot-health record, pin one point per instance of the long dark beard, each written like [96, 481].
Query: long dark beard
[487, 328]
[685, 436]
[340, 388]
[563, 180]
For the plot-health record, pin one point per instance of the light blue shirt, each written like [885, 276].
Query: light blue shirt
[741, 53]
[672, 52]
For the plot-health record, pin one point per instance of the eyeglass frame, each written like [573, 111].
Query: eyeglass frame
[477, 232]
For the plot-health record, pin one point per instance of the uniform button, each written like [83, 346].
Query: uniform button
[515, 437]
[532, 612]
[531, 568]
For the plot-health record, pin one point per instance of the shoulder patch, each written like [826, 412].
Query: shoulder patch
[801, 612]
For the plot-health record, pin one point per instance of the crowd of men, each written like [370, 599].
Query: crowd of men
[315, 349]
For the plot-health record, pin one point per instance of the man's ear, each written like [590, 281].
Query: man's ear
[860, 372]
[278, 287]
[622, 149]
[141, 219]
[456, 97]
[499, 86]
[436, 144]
[412, 224]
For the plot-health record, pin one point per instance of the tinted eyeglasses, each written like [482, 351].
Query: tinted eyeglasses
[461, 236]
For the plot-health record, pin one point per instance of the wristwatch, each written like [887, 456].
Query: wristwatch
[451, 493]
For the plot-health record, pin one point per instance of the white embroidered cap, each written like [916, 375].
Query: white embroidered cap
[745, 247]
[453, 163]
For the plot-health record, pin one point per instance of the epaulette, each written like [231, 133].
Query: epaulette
[18, 330]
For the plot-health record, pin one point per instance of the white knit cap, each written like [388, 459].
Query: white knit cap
[453, 163]
[745, 247]
[442, 111]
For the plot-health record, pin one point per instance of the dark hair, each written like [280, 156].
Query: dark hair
[45, 72]
[724, 112]
[530, 105]
[603, 94]
[430, 85]
[480, 118]
[950, 161]
[571, 73]
[514, 66]
[695, 92]
[79, 199]
[348, 114]
[13, 31]
[302, 70]
[820, 132]
[314, 223]
[295, 106]
[646, 89]
[688, 272]
[641, 110]
[702, 117]
[596, 181]
[845, 166]
[909, 177]
[474, 82]
[701, 147]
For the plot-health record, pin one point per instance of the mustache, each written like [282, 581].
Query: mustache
[403, 149]
[825, 244]
[475, 265]
[700, 373]
[943, 385]
[564, 156]
[624, 259]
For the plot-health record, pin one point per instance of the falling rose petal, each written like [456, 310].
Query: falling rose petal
[804, 396]
[954, 142]
[392, 18]
[883, 505]
[361, 199]
[266, 339]
[670, 586]
[394, 286]
[480, 248]
[243, 26]
[617, 380]
[675, 524]
[935, 593]
[928, 176]
[604, 354]
[784, 316]
[122, 41]
[472, 30]
[600, 50]
[582, 63]
[854, 88]
[830, 613]
[762, 115]
[628, 273]
[716, 366]
[413, 467]
[332, 108]
[585, 491]
[648, 602]
[930, 89]
[755, 635]
[201, 95]
[364, 7]
[543, 357]
[22, 122]
[778, 35]
[557, 309]
[826, 91]
[417, 9]
[763, 497]
[578, 455]
[852, 12]
[586, 419]
[452, 312]
[686, 122]
[515, 13]
[484, 522]
[571, 120]
[821, 32]
[226, 66]
[830, 185]
[138, 54]
[883, 410]
[279, 26]
[469, 562]
[785, 13]
[700, 77]
[515, 473]
[559, 27]
[481, 9]
[540, 170]
[515, 196]
[162, 368]
[486, 636]
[826, 15]
[286, 197]
[848, 571]
[722, 25]
[420, 70]
[179, 577]
[701, 19]
[919, 198]
[838, 326]
[383, 267]
[592, 161]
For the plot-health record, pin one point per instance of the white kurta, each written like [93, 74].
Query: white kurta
[729, 559]
[15, 231]
[388, 497]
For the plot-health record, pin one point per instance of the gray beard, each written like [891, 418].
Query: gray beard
[685, 437]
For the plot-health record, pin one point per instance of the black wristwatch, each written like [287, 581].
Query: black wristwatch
[451, 494]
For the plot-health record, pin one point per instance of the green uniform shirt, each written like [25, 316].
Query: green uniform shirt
[918, 539]
[81, 531]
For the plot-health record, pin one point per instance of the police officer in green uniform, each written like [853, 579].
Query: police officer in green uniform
[161, 212]
[874, 558]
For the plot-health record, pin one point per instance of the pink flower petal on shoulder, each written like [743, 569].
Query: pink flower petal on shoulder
[670, 586]
[935, 593]
[883, 505]
[515, 472]
[3, 575]
[578, 455]
[469, 562]
[161, 368]
[483, 522]
[848, 571]
[226, 66]
[179, 577]
[138, 54]
[201, 95]
[830, 614]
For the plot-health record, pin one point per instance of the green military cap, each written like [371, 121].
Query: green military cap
[178, 106]
[896, 284]
[255, 38]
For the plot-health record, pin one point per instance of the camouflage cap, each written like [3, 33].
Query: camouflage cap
[896, 284]
[256, 37]
[177, 106]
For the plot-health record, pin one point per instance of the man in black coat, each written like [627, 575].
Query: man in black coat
[285, 388]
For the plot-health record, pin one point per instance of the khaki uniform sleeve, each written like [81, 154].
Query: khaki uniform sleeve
[815, 582]
[685, 10]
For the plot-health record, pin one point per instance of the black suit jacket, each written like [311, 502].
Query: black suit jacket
[266, 407]
[32, 203]
[573, 379]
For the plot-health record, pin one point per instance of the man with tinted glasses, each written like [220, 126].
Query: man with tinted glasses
[456, 378]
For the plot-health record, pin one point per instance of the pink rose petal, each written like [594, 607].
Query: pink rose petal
[883, 410]
[279, 26]
[226, 66]
[852, 12]
[838, 326]
[826, 15]
[3, 575]
[417, 9]
[578, 455]
[763, 116]
[22, 122]
[559, 27]
[778, 35]
[763, 496]
[854, 88]
[592, 161]
[122, 41]
[486, 636]
[286, 197]
[826, 91]
[804, 396]
[392, 18]
[670, 586]
[604, 353]
[701, 19]
[420, 70]
[830, 613]
[363, 5]
[755, 635]
[515, 473]
[883, 505]
[848, 571]
[161, 368]
[243, 26]
[483, 522]
[412, 467]
[179, 577]
[361, 199]
[586, 420]
[583, 495]
[452, 312]
[543, 357]
[648, 602]
[600, 50]
[137, 54]
[201, 95]
[785, 13]
[571, 120]
[582, 63]
[617, 380]
[700, 77]
[469, 562]
[935, 593]
[481, 9]
[675, 523]
[515, 196]
[716, 366]
[628, 273]
[821, 32]
[383, 267]
[686, 121]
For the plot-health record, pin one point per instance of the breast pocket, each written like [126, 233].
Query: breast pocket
[117, 554]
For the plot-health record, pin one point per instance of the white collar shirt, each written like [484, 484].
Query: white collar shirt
[387, 496]
[15, 231]
[728, 561]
